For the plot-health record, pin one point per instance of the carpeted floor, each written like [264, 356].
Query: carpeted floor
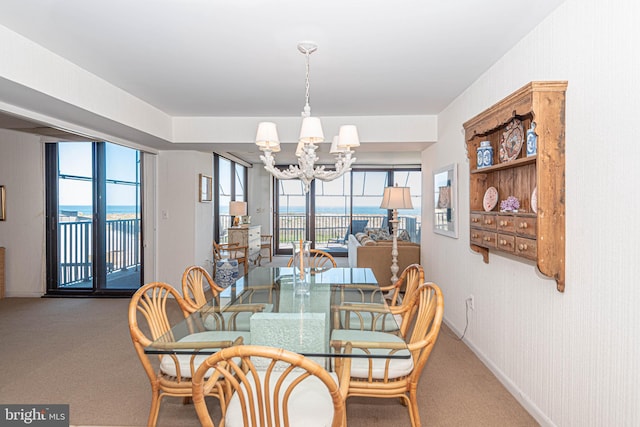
[78, 351]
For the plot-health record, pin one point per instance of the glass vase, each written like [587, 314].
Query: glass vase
[301, 266]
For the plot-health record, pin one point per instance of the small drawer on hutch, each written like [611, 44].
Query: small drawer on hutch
[254, 233]
[525, 226]
[526, 248]
[507, 223]
[487, 239]
[476, 220]
[488, 221]
[476, 236]
[506, 243]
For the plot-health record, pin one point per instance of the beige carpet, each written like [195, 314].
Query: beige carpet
[79, 352]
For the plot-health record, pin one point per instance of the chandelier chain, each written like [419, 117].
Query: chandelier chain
[307, 107]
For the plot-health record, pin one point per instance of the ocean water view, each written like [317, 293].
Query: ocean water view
[297, 210]
[111, 209]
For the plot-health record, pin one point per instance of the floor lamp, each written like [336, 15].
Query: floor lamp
[395, 198]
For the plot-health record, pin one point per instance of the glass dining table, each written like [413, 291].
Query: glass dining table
[273, 307]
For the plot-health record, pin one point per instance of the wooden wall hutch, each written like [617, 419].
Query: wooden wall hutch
[537, 230]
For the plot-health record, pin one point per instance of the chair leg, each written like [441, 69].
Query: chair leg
[413, 410]
[155, 409]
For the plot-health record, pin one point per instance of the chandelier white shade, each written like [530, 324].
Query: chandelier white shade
[311, 133]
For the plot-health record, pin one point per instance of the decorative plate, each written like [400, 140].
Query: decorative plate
[511, 141]
[490, 199]
[534, 200]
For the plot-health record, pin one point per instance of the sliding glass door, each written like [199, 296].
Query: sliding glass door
[333, 210]
[93, 217]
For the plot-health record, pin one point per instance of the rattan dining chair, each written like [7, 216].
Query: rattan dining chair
[169, 375]
[393, 378]
[319, 259]
[363, 315]
[195, 281]
[198, 289]
[269, 386]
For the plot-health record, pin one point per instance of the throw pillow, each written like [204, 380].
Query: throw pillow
[404, 235]
[380, 234]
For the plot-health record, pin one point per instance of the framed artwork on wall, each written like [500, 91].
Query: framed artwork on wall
[206, 192]
[445, 201]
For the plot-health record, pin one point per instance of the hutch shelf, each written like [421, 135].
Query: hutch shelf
[537, 230]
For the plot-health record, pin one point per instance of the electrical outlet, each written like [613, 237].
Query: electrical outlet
[471, 302]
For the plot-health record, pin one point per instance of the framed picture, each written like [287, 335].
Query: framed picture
[445, 201]
[2, 203]
[206, 192]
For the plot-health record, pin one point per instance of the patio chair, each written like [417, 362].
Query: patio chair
[269, 387]
[357, 225]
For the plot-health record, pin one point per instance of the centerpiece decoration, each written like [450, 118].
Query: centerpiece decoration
[511, 204]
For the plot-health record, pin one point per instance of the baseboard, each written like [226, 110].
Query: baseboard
[524, 400]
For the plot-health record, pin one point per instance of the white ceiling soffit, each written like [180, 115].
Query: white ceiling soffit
[239, 59]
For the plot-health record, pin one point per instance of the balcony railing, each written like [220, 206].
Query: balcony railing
[333, 228]
[75, 243]
[330, 228]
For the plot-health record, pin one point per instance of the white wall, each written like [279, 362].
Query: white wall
[260, 202]
[573, 358]
[185, 226]
[22, 174]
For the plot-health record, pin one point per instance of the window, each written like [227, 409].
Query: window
[230, 183]
[333, 210]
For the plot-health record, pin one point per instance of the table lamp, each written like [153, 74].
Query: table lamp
[395, 198]
[236, 210]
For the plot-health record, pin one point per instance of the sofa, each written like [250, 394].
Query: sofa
[376, 254]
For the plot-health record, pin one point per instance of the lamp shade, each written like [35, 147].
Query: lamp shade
[348, 137]
[267, 136]
[335, 149]
[396, 198]
[311, 131]
[237, 208]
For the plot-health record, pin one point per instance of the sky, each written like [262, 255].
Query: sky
[75, 159]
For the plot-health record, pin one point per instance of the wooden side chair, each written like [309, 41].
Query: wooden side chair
[266, 242]
[231, 251]
[393, 378]
[319, 259]
[169, 375]
[269, 386]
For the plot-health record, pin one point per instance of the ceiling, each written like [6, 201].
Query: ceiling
[239, 59]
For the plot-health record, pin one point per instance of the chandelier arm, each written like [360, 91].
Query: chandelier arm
[269, 164]
[342, 166]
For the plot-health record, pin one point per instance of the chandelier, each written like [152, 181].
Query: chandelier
[310, 135]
